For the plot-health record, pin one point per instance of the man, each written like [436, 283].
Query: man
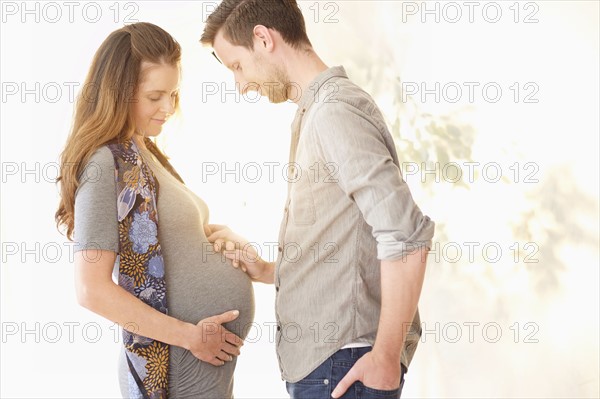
[353, 244]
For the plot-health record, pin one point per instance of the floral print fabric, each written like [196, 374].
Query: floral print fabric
[141, 265]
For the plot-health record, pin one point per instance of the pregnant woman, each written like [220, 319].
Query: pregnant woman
[184, 315]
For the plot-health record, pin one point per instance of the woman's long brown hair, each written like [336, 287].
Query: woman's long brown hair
[103, 108]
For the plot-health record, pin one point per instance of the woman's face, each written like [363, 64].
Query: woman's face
[155, 99]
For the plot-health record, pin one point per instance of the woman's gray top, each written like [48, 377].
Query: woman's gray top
[200, 283]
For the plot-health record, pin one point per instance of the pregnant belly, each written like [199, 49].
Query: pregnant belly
[201, 285]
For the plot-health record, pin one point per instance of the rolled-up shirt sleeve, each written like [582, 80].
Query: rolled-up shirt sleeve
[368, 174]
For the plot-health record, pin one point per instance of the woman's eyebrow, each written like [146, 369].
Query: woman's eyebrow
[160, 91]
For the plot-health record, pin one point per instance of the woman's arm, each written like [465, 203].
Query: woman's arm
[208, 340]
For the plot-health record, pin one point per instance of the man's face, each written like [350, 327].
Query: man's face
[252, 70]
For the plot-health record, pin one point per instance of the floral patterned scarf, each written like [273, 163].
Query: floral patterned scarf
[141, 266]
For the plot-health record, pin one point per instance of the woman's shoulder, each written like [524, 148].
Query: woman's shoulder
[99, 167]
[103, 156]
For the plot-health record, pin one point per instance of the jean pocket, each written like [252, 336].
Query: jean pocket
[309, 389]
[312, 381]
[315, 385]
[346, 364]
[365, 392]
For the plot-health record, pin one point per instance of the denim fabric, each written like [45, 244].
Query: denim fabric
[322, 381]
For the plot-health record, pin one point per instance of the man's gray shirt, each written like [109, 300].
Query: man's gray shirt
[347, 209]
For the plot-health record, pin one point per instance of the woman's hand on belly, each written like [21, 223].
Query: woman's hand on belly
[212, 343]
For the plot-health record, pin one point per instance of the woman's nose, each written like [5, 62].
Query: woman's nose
[168, 106]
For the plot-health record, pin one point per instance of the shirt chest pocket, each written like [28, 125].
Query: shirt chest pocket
[302, 205]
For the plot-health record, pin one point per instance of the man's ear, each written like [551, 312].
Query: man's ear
[263, 37]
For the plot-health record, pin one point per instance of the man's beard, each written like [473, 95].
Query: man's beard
[276, 91]
[277, 84]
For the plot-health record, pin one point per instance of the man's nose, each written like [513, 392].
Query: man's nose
[241, 85]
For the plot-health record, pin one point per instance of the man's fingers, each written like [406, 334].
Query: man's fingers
[223, 244]
[238, 254]
[216, 231]
[233, 256]
[218, 244]
[344, 384]
[216, 227]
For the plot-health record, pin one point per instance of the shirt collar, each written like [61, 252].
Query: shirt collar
[310, 94]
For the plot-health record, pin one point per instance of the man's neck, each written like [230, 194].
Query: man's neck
[303, 67]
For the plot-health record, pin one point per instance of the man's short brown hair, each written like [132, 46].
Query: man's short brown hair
[238, 18]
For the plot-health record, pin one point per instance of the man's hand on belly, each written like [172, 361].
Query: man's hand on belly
[241, 253]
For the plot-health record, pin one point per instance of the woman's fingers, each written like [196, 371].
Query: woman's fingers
[230, 349]
[216, 362]
[225, 357]
[231, 338]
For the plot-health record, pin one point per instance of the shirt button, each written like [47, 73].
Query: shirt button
[326, 381]
[280, 249]
[278, 328]
[277, 289]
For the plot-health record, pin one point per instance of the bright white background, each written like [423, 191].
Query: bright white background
[53, 348]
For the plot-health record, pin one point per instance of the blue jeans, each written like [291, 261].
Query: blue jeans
[322, 381]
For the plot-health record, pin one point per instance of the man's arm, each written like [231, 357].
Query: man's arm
[367, 172]
[401, 283]
[241, 253]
